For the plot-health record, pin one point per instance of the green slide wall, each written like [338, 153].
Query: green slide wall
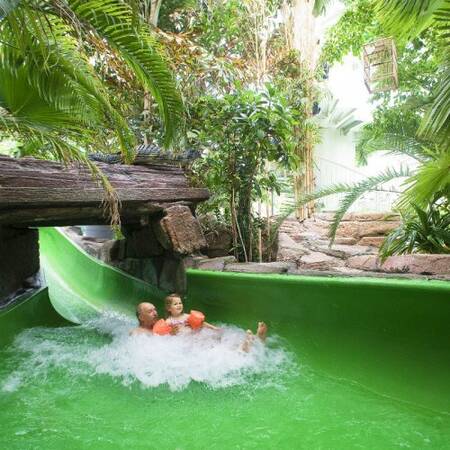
[33, 311]
[390, 336]
[81, 286]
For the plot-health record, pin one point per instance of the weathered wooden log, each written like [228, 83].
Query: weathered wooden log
[44, 193]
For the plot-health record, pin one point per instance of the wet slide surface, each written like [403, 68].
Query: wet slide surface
[350, 364]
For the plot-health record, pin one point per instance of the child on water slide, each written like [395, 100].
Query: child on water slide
[179, 322]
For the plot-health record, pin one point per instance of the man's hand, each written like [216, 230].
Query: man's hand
[175, 329]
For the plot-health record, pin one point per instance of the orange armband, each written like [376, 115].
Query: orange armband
[195, 319]
[162, 328]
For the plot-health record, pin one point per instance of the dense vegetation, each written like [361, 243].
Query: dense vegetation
[225, 77]
[412, 120]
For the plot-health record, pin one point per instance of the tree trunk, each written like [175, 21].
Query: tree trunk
[305, 42]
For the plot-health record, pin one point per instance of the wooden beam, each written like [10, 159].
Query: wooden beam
[44, 197]
[45, 193]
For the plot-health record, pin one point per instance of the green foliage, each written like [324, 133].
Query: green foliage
[356, 27]
[421, 231]
[351, 191]
[53, 42]
[407, 20]
[240, 134]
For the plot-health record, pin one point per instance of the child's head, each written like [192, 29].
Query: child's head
[173, 305]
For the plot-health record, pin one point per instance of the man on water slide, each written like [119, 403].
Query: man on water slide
[147, 316]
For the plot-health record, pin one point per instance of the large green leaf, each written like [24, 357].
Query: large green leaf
[407, 18]
[113, 20]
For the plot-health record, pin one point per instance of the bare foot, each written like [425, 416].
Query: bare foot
[248, 341]
[261, 331]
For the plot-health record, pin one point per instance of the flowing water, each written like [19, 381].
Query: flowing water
[95, 387]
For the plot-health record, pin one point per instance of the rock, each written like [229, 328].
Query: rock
[19, 250]
[180, 231]
[112, 250]
[371, 217]
[217, 264]
[173, 276]
[133, 266]
[251, 267]
[288, 249]
[141, 242]
[343, 251]
[317, 260]
[374, 241]
[348, 271]
[361, 229]
[346, 240]
[360, 217]
[91, 248]
[151, 269]
[418, 264]
[363, 262]
[219, 243]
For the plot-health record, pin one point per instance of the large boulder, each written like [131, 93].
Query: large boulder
[219, 242]
[361, 229]
[319, 261]
[179, 231]
[418, 264]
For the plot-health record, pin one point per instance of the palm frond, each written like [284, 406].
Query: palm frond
[437, 119]
[356, 190]
[6, 6]
[320, 6]
[113, 20]
[394, 143]
[431, 177]
[406, 18]
[46, 46]
[353, 191]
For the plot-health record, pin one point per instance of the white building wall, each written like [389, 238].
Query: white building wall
[334, 160]
[334, 157]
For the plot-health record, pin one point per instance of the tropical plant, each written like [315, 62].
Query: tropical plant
[54, 42]
[240, 134]
[399, 116]
[333, 115]
[407, 20]
[421, 231]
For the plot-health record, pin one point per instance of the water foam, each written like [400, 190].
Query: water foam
[104, 346]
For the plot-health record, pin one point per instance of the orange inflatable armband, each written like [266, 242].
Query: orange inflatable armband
[161, 328]
[195, 319]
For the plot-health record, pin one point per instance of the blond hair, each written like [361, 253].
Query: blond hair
[168, 301]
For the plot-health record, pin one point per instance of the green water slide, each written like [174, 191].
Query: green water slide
[81, 286]
[355, 328]
[372, 360]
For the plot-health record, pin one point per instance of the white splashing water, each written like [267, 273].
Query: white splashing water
[208, 357]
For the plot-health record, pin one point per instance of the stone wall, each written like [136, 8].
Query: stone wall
[355, 249]
[157, 252]
[19, 260]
